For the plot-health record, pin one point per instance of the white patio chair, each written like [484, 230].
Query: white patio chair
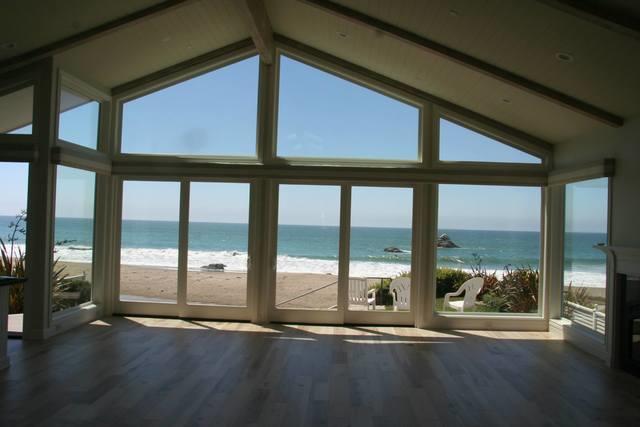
[400, 289]
[471, 289]
[360, 294]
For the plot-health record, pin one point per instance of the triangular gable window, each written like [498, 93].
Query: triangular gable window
[460, 144]
[323, 116]
[213, 114]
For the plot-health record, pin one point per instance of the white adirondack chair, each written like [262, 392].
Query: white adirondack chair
[360, 294]
[471, 289]
[400, 289]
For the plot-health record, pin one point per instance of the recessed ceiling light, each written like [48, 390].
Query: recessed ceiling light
[564, 57]
[453, 12]
[342, 34]
[8, 45]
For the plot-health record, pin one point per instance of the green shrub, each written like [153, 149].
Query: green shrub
[62, 289]
[515, 292]
[449, 280]
[494, 303]
[12, 261]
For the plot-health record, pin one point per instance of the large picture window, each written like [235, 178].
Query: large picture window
[73, 252]
[488, 249]
[586, 222]
[324, 116]
[214, 114]
[78, 119]
[13, 232]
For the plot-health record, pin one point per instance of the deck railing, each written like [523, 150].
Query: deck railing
[591, 318]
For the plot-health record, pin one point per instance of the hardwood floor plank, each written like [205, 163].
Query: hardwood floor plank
[143, 371]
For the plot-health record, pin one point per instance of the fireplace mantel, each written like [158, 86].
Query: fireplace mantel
[625, 261]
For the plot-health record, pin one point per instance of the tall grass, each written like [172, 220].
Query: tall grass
[12, 260]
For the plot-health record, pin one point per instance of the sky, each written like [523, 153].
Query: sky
[320, 115]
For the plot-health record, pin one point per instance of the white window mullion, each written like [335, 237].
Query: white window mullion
[183, 246]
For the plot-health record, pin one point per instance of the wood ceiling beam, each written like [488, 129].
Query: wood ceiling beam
[260, 28]
[602, 15]
[90, 34]
[469, 62]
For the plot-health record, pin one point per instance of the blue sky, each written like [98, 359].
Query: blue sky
[320, 116]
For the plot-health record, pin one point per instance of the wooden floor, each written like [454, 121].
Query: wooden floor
[146, 372]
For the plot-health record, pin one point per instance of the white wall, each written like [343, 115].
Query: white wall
[622, 144]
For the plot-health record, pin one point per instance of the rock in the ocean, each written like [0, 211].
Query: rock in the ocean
[444, 241]
[214, 267]
[393, 250]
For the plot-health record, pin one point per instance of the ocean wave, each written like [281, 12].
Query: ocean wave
[583, 275]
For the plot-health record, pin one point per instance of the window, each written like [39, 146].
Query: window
[73, 251]
[490, 232]
[13, 223]
[380, 248]
[458, 143]
[17, 111]
[323, 116]
[78, 119]
[308, 244]
[586, 219]
[149, 241]
[213, 114]
[218, 243]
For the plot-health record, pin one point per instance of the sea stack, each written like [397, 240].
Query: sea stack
[213, 267]
[444, 241]
[393, 250]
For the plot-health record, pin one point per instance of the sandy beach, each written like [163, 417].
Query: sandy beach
[146, 283]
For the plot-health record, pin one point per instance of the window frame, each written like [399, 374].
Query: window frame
[69, 83]
[342, 314]
[180, 76]
[94, 255]
[602, 338]
[318, 64]
[265, 170]
[448, 320]
[496, 134]
[181, 307]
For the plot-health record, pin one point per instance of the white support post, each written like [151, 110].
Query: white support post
[266, 113]
[427, 211]
[264, 262]
[183, 246]
[419, 289]
[343, 250]
[554, 255]
[40, 207]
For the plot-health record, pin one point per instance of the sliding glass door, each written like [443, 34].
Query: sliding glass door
[307, 253]
[184, 249]
[343, 254]
[218, 244]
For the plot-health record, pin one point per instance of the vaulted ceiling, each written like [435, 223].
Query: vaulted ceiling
[522, 38]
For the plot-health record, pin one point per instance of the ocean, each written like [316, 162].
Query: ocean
[314, 249]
